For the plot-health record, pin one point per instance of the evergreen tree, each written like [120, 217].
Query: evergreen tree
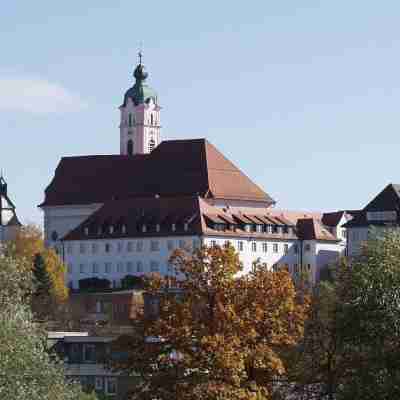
[41, 275]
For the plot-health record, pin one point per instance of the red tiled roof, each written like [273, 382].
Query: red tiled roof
[174, 168]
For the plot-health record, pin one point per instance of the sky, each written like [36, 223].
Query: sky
[303, 96]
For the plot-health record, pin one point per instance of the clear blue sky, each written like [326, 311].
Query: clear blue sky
[302, 95]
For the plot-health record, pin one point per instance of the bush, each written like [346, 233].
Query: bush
[94, 284]
[132, 282]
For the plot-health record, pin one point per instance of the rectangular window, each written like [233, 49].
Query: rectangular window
[170, 245]
[139, 246]
[154, 245]
[253, 246]
[82, 248]
[139, 266]
[94, 248]
[120, 267]
[182, 244]
[240, 245]
[296, 249]
[286, 229]
[196, 243]
[107, 247]
[98, 383]
[82, 268]
[111, 386]
[120, 247]
[129, 247]
[295, 268]
[70, 269]
[309, 267]
[259, 228]
[70, 249]
[95, 268]
[286, 248]
[213, 243]
[307, 247]
[89, 353]
[265, 247]
[108, 267]
[274, 229]
[129, 266]
[154, 266]
[276, 247]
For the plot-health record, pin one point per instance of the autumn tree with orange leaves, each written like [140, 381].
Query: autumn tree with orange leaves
[218, 334]
[26, 246]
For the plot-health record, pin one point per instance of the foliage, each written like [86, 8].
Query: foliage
[28, 245]
[132, 282]
[370, 321]
[94, 284]
[26, 370]
[351, 343]
[220, 335]
[42, 276]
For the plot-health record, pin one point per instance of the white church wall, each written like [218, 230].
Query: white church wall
[113, 259]
[62, 219]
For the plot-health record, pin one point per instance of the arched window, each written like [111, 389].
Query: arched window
[152, 144]
[130, 119]
[130, 148]
[151, 119]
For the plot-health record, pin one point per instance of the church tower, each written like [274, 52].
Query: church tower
[9, 223]
[140, 116]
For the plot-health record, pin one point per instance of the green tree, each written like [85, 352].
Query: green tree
[351, 346]
[219, 335]
[43, 280]
[26, 370]
[370, 319]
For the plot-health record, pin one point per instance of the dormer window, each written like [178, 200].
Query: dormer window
[144, 228]
[173, 227]
[158, 228]
[111, 229]
[123, 229]
[247, 228]
[99, 231]
[286, 229]
[274, 228]
[86, 231]
[259, 228]
[185, 226]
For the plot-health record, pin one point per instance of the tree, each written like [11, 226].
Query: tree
[26, 370]
[43, 281]
[217, 334]
[28, 245]
[351, 345]
[370, 320]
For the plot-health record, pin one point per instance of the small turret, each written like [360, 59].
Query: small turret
[9, 222]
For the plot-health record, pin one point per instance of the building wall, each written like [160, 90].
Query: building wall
[145, 125]
[113, 259]
[62, 219]
[355, 237]
[274, 254]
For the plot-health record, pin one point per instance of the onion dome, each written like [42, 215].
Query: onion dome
[140, 92]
